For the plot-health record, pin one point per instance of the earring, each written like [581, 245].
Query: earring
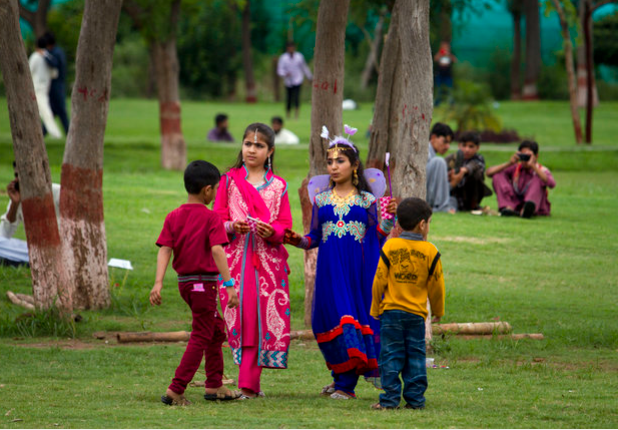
[355, 180]
[270, 165]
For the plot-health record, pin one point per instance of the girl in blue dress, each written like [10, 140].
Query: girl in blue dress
[346, 229]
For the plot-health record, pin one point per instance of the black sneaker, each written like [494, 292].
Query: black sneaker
[508, 212]
[409, 406]
[528, 210]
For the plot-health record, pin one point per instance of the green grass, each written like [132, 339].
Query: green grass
[555, 275]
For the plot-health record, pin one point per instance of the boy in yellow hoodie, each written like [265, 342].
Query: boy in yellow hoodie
[409, 272]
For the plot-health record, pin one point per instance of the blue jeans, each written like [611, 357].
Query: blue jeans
[403, 351]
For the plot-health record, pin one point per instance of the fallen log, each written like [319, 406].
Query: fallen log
[146, 336]
[518, 336]
[302, 335]
[473, 328]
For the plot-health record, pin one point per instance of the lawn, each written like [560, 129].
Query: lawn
[557, 276]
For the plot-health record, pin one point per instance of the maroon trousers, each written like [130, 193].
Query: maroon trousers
[207, 336]
[533, 190]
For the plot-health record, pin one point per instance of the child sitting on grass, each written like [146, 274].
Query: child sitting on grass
[408, 273]
[196, 236]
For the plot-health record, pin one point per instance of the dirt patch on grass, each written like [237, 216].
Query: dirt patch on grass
[472, 240]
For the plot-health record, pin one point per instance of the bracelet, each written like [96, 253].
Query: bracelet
[229, 283]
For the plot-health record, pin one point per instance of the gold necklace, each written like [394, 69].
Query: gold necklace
[341, 201]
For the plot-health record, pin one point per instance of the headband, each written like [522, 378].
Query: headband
[339, 143]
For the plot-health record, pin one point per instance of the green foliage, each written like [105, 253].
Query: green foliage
[471, 109]
[499, 76]
[130, 68]
[553, 82]
[41, 323]
[605, 41]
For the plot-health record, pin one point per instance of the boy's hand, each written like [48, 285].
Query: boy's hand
[435, 319]
[264, 230]
[392, 207]
[241, 227]
[155, 295]
[232, 298]
[291, 237]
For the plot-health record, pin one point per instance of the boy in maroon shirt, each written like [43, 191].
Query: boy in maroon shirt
[196, 236]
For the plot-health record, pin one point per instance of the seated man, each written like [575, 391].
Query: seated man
[15, 251]
[521, 183]
[220, 133]
[283, 136]
[438, 187]
[467, 174]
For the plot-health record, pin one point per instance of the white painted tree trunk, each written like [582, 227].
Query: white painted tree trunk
[81, 199]
[47, 265]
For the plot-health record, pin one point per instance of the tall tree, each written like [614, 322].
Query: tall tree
[404, 100]
[49, 275]
[533, 50]
[566, 11]
[585, 21]
[247, 59]
[326, 100]
[516, 7]
[158, 21]
[81, 199]
[37, 18]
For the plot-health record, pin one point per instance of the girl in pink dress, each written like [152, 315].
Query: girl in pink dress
[253, 204]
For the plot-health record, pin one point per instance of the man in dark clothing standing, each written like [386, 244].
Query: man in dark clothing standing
[57, 91]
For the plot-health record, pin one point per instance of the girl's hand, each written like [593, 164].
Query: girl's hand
[264, 230]
[392, 207]
[232, 298]
[241, 227]
[155, 294]
[291, 237]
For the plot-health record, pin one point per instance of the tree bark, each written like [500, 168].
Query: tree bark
[165, 59]
[374, 50]
[81, 200]
[404, 100]
[589, 69]
[326, 100]
[568, 58]
[49, 276]
[247, 61]
[533, 50]
[516, 59]
[582, 59]
[38, 18]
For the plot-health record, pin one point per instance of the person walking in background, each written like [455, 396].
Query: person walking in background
[444, 60]
[41, 77]
[57, 91]
[293, 69]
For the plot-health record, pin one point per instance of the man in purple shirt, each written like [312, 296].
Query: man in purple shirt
[521, 183]
[220, 133]
[293, 69]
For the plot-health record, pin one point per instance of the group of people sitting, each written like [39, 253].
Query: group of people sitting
[220, 132]
[457, 182]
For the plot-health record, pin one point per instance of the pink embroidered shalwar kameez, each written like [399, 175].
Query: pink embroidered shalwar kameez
[259, 330]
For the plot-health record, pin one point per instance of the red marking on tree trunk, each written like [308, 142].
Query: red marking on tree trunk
[335, 87]
[423, 116]
[40, 216]
[81, 197]
[83, 91]
[324, 85]
[170, 117]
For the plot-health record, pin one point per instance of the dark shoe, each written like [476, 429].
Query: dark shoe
[174, 399]
[459, 160]
[409, 406]
[223, 393]
[528, 210]
[379, 407]
[508, 212]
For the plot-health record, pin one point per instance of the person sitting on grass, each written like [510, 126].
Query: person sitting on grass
[196, 236]
[467, 174]
[220, 133]
[438, 188]
[409, 272]
[283, 136]
[521, 183]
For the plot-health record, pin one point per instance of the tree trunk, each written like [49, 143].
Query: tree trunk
[276, 79]
[81, 200]
[49, 276]
[374, 50]
[38, 18]
[247, 61]
[516, 59]
[589, 69]
[165, 59]
[582, 63]
[446, 25]
[533, 50]
[326, 101]
[568, 58]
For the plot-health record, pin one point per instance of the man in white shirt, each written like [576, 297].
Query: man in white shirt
[283, 136]
[15, 251]
[293, 69]
[42, 76]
